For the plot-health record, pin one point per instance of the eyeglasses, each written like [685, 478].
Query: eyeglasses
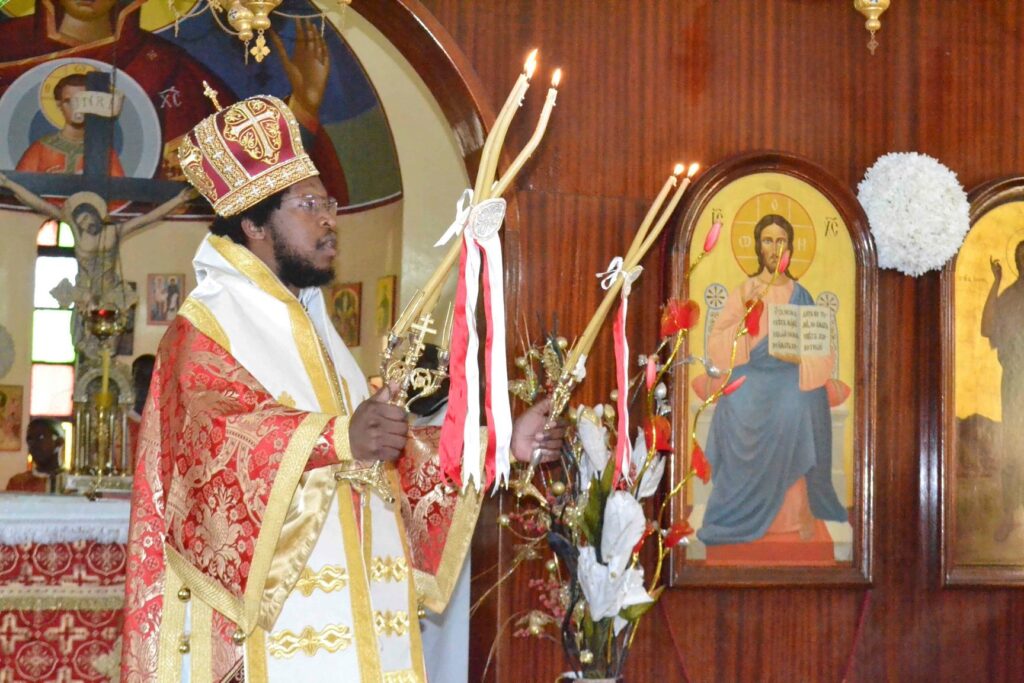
[314, 204]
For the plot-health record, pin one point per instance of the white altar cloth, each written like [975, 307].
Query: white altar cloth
[62, 519]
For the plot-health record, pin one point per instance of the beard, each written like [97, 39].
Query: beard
[298, 271]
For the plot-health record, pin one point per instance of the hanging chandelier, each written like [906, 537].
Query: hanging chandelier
[872, 9]
[249, 19]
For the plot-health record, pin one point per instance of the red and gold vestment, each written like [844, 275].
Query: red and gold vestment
[250, 551]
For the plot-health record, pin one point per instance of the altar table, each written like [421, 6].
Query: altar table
[62, 567]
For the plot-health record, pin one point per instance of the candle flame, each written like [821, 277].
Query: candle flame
[694, 167]
[556, 78]
[678, 170]
[531, 63]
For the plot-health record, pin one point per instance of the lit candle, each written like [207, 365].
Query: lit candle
[668, 211]
[653, 211]
[496, 140]
[545, 113]
[586, 341]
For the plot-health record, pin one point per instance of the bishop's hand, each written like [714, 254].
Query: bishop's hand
[529, 435]
[377, 429]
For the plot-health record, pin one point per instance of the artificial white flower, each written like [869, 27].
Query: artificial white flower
[624, 524]
[598, 587]
[633, 593]
[917, 210]
[652, 477]
[605, 594]
[594, 437]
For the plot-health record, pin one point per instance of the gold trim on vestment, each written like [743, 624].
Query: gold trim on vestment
[404, 676]
[436, 590]
[366, 519]
[172, 628]
[359, 590]
[389, 569]
[202, 586]
[202, 318]
[328, 579]
[333, 637]
[342, 447]
[249, 265]
[415, 638]
[291, 468]
[307, 512]
[201, 642]
[388, 623]
[317, 363]
[256, 657]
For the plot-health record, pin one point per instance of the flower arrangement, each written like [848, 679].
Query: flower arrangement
[598, 512]
[917, 210]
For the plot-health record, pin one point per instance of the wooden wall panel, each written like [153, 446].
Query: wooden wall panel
[650, 82]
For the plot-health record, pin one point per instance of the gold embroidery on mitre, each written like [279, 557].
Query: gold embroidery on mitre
[389, 569]
[403, 676]
[333, 637]
[388, 623]
[328, 579]
[253, 124]
[286, 400]
[278, 178]
[216, 151]
[191, 161]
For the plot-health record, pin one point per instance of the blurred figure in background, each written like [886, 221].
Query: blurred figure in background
[45, 439]
[142, 373]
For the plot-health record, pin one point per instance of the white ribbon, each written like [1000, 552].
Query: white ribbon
[615, 271]
[497, 386]
[462, 209]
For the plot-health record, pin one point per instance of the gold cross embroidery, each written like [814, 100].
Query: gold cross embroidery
[254, 126]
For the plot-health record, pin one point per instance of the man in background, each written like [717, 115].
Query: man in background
[45, 439]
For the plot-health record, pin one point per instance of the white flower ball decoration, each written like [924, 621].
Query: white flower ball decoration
[917, 210]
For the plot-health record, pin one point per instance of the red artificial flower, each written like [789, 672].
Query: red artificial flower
[679, 315]
[677, 533]
[658, 432]
[652, 372]
[712, 239]
[783, 262]
[701, 466]
[734, 385]
[648, 531]
[753, 319]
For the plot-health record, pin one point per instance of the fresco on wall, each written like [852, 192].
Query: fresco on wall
[47, 47]
[781, 489]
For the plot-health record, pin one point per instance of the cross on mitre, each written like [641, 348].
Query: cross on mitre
[254, 126]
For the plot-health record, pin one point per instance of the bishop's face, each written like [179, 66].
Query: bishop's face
[303, 233]
[774, 241]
